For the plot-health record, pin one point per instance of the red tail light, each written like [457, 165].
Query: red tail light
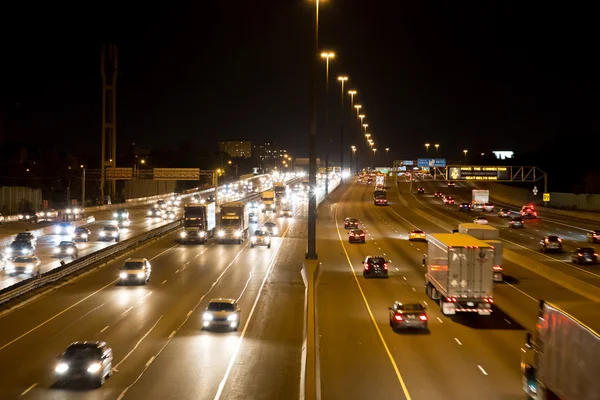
[362, 234]
[385, 266]
[398, 317]
[497, 268]
[423, 317]
[352, 234]
[595, 254]
[366, 266]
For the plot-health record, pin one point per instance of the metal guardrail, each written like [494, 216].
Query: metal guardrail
[56, 274]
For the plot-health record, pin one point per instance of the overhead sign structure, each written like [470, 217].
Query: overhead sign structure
[120, 174]
[431, 162]
[176, 174]
[546, 197]
[479, 173]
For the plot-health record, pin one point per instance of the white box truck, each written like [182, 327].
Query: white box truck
[480, 198]
[490, 235]
[562, 358]
[460, 274]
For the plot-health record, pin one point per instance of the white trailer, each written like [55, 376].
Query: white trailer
[490, 235]
[460, 273]
[480, 197]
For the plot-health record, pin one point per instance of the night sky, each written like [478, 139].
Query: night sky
[481, 75]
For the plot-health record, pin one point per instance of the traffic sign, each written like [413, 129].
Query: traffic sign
[535, 190]
[178, 174]
[546, 197]
[431, 162]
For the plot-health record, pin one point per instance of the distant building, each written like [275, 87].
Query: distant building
[237, 149]
[268, 152]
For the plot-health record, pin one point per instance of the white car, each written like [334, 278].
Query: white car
[170, 215]
[221, 312]
[135, 270]
[29, 265]
[480, 220]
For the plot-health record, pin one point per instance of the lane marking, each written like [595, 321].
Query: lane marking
[245, 286]
[137, 344]
[414, 290]
[150, 361]
[172, 334]
[103, 329]
[126, 311]
[439, 319]
[189, 313]
[482, 370]
[163, 282]
[424, 302]
[507, 321]
[28, 389]
[458, 341]
[177, 271]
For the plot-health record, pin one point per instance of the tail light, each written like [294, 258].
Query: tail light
[497, 268]
[580, 255]
[398, 317]
[595, 254]
[385, 266]
[366, 266]
[362, 234]
[559, 239]
[352, 234]
[423, 317]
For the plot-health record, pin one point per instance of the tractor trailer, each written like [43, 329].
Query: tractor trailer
[199, 222]
[234, 222]
[491, 236]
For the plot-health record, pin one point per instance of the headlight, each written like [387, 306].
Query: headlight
[275, 230]
[253, 239]
[232, 317]
[268, 239]
[238, 233]
[57, 229]
[93, 368]
[8, 250]
[150, 213]
[61, 368]
[221, 233]
[69, 251]
[68, 211]
[207, 316]
[115, 215]
[102, 233]
[202, 233]
[114, 234]
[140, 274]
[29, 268]
[56, 250]
[182, 234]
[71, 229]
[84, 236]
[24, 251]
[123, 275]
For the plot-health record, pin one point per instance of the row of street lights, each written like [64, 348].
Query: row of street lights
[437, 148]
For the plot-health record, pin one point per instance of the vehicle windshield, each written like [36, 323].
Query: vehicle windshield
[65, 225]
[518, 219]
[80, 230]
[259, 233]
[410, 307]
[23, 236]
[24, 259]
[65, 244]
[553, 238]
[110, 228]
[133, 265]
[229, 222]
[357, 232]
[417, 231]
[270, 224]
[221, 307]
[587, 250]
[80, 352]
[20, 243]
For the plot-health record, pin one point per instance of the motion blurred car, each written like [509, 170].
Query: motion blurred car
[253, 218]
[260, 238]
[286, 212]
[464, 207]
[438, 194]
[169, 215]
[66, 249]
[488, 207]
[420, 190]
[451, 184]
[155, 212]
[516, 222]
[46, 215]
[504, 213]
[270, 228]
[121, 213]
[448, 200]
[480, 221]
[356, 236]
[19, 248]
[81, 234]
[529, 211]
[417, 235]
[84, 361]
[408, 315]
[350, 223]
[75, 212]
[375, 266]
[551, 243]
[27, 236]
[64, 228]
[28, 265]
[135, 270]
[123, 222]
[161, 204]
[593, 236]
[584, 255]
[221, 312]
[110, 232]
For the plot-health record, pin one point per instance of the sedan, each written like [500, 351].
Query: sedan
[448, 200]
[438, 194]
[464, 207]
[480, 221]
[81, 234]
[375, 266]
[286, 212]
[584, 255]
[417, 235]
[451, 184]
[516, 222]
[66, 249]
[169, 215]
[356, 236]
[504, 213]
[593, 236]
[270, 228]
[29, 265]
[488, 207]
[351, 223]
[85, 361]
[551, 243]
[110, 232]
[155, 212]
[260, 238]
[64, 228]
[421, 190]
[408, 315]
[221, 312]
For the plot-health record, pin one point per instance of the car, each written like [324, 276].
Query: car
[448, 200]
[408, 315]
[270, 228]
[135, 270]
[464, 207]
[351, 223]
[19, 248]
[438, 194]
[84, 361]
[528, 211]
[584, 255]
[81, 234]
[356, 236]
[516, 222]
[417, 235]
[74, 212]
[154, 212]
[488, 207]
[23, 264]
[27, 236]
[451, 184]
[253, 218]
[504, 213]
[375, 266]
[123, 222]
[221, 312]
[593, 236]
[169, 215]
[161, 204]
[121, 213]
[110, 232]
[551, 243]
[46, 215]
[420, 190]
[260, 238]
[480, 221]
[286, 212]
[64, 228]
[66, 249]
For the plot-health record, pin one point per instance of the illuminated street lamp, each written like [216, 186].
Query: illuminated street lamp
[327, 56]
[342, 80]
[367, 135]
[465, 151]
[351, 158]
[427, 147]
[437, 147]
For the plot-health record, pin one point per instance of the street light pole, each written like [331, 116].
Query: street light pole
[327, 56]
[343, 80]
[437, 147]
[83, 186]
[357, 107]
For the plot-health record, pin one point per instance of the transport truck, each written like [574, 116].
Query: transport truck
[234, 224]
[199, 221]
[490, 235]
[480, 198]
[459, 273]
[268, 200]
[561, 360]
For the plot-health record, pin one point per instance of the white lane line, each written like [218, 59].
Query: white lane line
[177, 271]
[187, 263]
[520, 291]
[424, 302]
[245, 286]
[137, 344]
[531, 237]
[28, 389]
[439, 319]
[103, 329]
[458, 341]
[150, 361]
[172, 334]
[189, 313]
[482, 370]
[404, 278]
[126, 311]
[507, 321]
[163, 282]
[385, 254]
[397, 269]
[414, 290]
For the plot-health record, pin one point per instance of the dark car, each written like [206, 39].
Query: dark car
[584, 255]
[516, 222]
[504, 212]
[27, 236]
[464, 207]
[81, 234]
[593, 236]
[551, 243]
[66, 249]
[375, 266]
[210, 198]
[420, 190]
[110, 232]
[351, 223]
[356, 236]
[451, 184]
[85, 361]
[438, 194]
[408, 315]
[20, 248]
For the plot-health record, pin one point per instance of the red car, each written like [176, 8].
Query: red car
[438, 194]
[448, 200]
[356, 236]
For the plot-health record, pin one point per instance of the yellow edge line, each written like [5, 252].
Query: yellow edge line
[385, 346]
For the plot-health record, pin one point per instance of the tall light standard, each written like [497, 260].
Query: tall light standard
[374, 151]
[342, 80]
[427, 148]
[357, 107]
[82, 185]
[387, 154]
[352, 93]
[465, 151]
[437, 147]
[353, 148]
[327, 56]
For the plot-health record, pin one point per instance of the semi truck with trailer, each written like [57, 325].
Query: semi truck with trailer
[268, 200]
[491, 236]
[234, 224]
[479, 199]
[380, 197]
[199, 221]
[561, 360]
[460, 274]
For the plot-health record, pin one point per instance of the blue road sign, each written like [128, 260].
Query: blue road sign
[431, 162]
